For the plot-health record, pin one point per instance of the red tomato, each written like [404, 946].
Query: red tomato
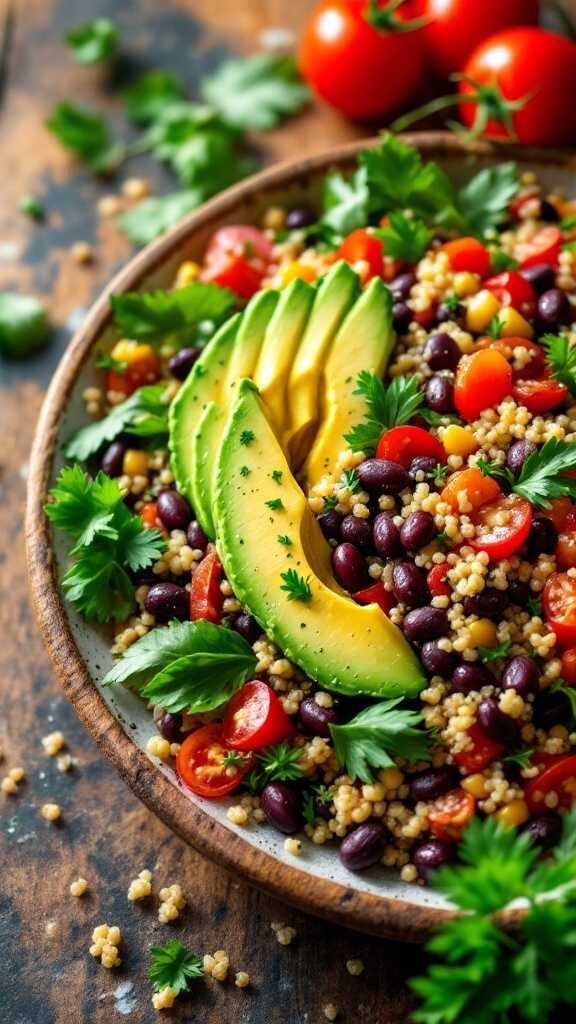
[568, 671]
[482, 752]
[530, 64]
[142, 367]
[149, 516]
[562, 513]
[483, 380]
[200, 763]
[344, 58]
[507, 346]
[402, 444]
[457, 27]
[450, 814]
[436, 580]
[237, 257]
[235, 273]
[566, 550]
[543, 247]
[560, 607]
[206, 598]
[242, 240]
[511, 289]
[361, 245]
[540, 396]
[376, 594]
[558, 776]
[468, 254]
[501, 540]
[255, 718]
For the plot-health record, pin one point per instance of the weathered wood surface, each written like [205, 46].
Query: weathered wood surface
[46, 974]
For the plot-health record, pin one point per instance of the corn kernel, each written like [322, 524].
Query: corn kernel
[296, 269]
[482, 308]
[135, 462]
[514, 813]
[188, 272]
[513, 324]
[475, 785]
[130, 352]
[482, 633]
[459, 440]
[466, 284]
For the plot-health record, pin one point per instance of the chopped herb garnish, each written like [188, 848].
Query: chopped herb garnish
[569, 692]
[488, 654]
[108, 362]
[244, 471]
[500, 261]
[534, 606]
[405, 238]
[93, 42]
[233, 759]
[561, 359]
[522, 759]
[297, 588]
[388, 406]
[494, 329]
[308, 809]
[246, 437]
[330, 502]
[284, 539]
[277, 475]
[489, 467]
[376, 736]
[278, 763]
[452, 302]
[173, 966]
[275, 504]
[351, 480]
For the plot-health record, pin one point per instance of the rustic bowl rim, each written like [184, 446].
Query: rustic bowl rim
[341, 904]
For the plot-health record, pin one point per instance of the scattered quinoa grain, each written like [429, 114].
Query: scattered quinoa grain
[78, 887]
[355, 967]
[51, 812]
[330, 1011]
[53, 743]
[141, 886]
[159, 747]
[242, 979]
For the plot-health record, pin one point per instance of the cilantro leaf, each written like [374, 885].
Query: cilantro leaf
[254, 93]
[157, 316]
[87, 135]
[94, 41]
[374, 737]
[24, 326]
[150, 94]
[484, 200]
[500, 260]
[153, 217]
[541, 477]
[346, 203]
[487, 654]
[144, 413]
[278, 763]
[173, 965]
[405, 238]
[98, 586]
[388, 406]
[561, 359]
[83, 507]
[297, 588]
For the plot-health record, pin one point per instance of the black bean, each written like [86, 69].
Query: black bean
[364, 846]
[496, 724]
[436, 661]
[167, 601]
[521, 674]
[382, 476]
[554, 308]
[112, 459]
[247, 627]
[401, 317]
[441, 352]
[433, 783]
[356, 531]
[544, 830]
[173, 510]
[300, 217]
[548, 212]
[315, 719]
[350, 568]
[282, 805]
[519, 593]
[541, 276]
[432, 854]
[440, 395]
[386, 536]
[401, 285]
[182, 362]
[488, 604]
[542, 538]
[422, 464]
[449, 311]
[330, 522]
[468, 676]
[417, 530]
[170, 726]
[550, 708]
[196, 537]
[518, 452]
[409, 585]
[426, 623]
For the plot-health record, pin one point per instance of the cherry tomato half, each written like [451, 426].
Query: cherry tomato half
[543, 247]
[376, 594]
[483, 380]
[237, 257]
[566, 550]
[498, 539]
[477, 488]
[562, 512]
[200, 763]
[511, 289]
[540, 396]
[402, 444]
[450, 814]
[560, 607]
[482, 752]
[507, 347]
[255, 718]
[568, 670]
[142, 366]
[457, 27]
[558, 776]
[206, 598]
[361, 245]
[436, 580]
[468, 254]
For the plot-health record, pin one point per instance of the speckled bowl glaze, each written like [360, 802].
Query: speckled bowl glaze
[374, 901]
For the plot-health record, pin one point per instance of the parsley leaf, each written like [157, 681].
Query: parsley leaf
[275, 504]
[94, 41]
[484, 200]
[297, 588]
[351, 479]
[144, 414]
[254, 93]
[388, 406]
[405, 238]
[170, 315]
[522, 758]
[568, 691]
[24, 327]
[87, 135]
[487, 654]
[346, 203]
[246, 437]
[153, 217]
[500, 260]
[150, 94]
[193, 666]
[278, 763]
[173, 965]
[561, 359]
[541, 477]
[378, 734]
[284, 539]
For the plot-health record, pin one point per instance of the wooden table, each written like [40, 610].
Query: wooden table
[46, 973]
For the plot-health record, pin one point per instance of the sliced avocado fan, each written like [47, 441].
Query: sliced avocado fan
[279, 566]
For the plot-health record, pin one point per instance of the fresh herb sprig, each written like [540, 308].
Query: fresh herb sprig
[87, 135]
[255, 93]
[144, 414]
[171, 316]
[405, 238]
[387, 406]
[278, 763]
[488, 654]
[561, 359]
[296, 587]
[94, 41]
[542, 477]
[376, 736]
[173, 966]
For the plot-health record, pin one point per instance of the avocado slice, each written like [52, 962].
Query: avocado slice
[336, 294]
[344, 646]
[280, 345]
[203, 384]
[364, 342]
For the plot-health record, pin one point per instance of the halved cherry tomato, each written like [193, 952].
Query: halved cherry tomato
[507, 347]
[206, 598]
[436, 580]
[483, 380]
[450, 814]
[237, 257]
[511, 289]
[402, 444]
[540, 395]
[562, 512]
[568, 670]
[142, 367]
[482, 752]
[543, 247]
[558, 776]
[502, 539]
[478, 489]
[560, 607]
[255, 718]
[361, 245]
[200, 763]
[468, 254]
[376, 594]
[566, 550]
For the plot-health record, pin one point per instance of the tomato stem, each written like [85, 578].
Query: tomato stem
[384, 19]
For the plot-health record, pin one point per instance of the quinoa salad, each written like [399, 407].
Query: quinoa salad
[325, 500]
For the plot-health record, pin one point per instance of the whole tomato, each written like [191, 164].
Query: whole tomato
[529, 78]
[364, 57]
[457, 27]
